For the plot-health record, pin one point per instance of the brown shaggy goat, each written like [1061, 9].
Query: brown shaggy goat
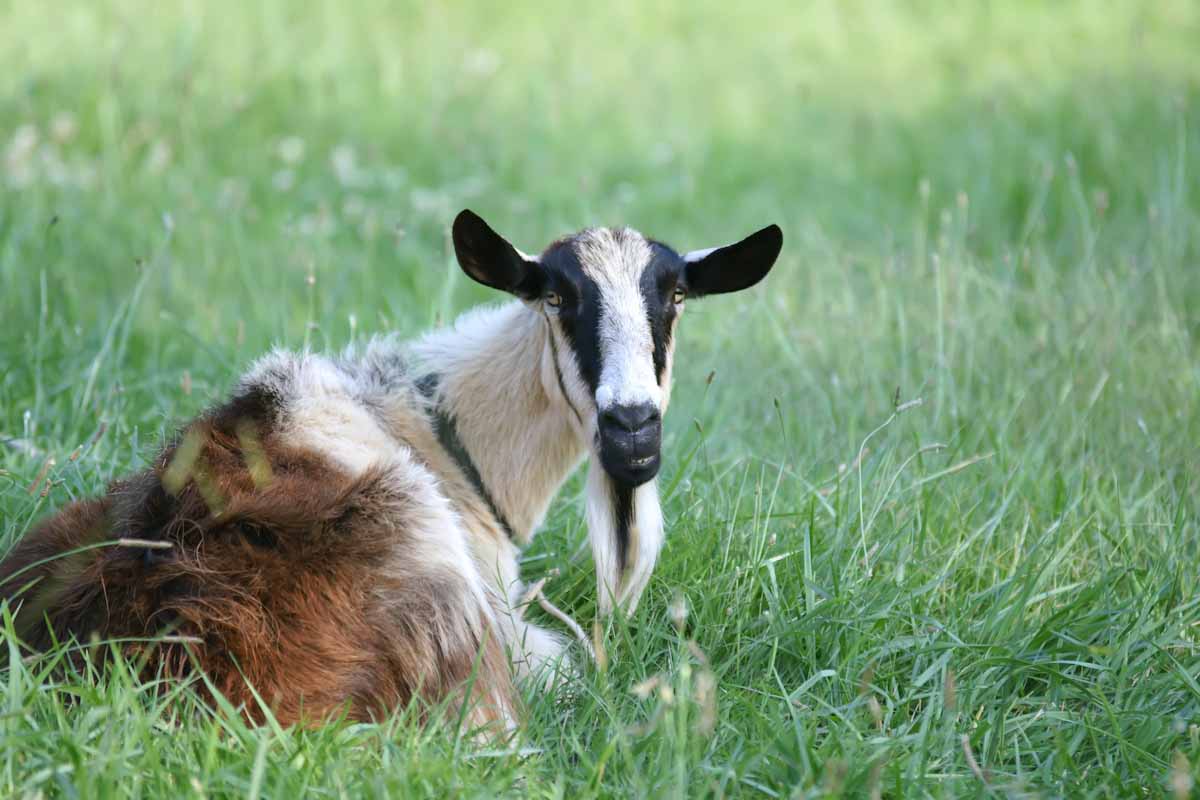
[284, 572]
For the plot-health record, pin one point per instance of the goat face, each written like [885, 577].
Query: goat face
[612, 299]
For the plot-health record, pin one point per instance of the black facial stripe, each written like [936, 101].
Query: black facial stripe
[658, 283]
[623, 520]
[579, 314]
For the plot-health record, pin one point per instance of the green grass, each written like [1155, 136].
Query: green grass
[992, 207]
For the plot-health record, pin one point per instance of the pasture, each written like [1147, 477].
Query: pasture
[932, 490]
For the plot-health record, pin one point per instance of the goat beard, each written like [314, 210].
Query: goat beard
[625, 526]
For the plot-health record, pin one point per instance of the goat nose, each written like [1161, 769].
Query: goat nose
[630, 418]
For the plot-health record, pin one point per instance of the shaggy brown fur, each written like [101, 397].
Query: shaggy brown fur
[281, 575]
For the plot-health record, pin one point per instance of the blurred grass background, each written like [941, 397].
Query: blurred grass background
[992, 207]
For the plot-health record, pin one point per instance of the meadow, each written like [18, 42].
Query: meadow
[932, 490]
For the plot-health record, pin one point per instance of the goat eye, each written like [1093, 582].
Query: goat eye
[679, 296]
[553, 300]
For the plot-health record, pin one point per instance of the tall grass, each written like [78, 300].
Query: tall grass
[989, 208]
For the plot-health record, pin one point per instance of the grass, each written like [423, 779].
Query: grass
[993, 208]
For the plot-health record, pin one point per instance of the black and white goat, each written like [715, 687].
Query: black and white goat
[344, 532]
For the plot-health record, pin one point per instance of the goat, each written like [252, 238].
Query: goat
[342, 535]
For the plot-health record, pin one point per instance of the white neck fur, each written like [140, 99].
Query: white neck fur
[497, 378]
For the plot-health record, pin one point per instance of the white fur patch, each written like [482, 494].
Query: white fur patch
[604, 396]
[535, 259]
[573, 393]
[645, 537]
[647, 540]
[602, 531]
[341, 428]
[321, 408]
[436, 531]
[496, 378]
[699, 255]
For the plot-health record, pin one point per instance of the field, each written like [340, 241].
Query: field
[992, 209]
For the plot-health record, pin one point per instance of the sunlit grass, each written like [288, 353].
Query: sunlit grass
[992, 209]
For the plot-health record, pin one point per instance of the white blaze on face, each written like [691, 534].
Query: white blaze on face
[614, 260]
[625, 543]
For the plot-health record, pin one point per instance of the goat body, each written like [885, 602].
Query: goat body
[342, 535]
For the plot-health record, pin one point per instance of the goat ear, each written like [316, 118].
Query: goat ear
[735, 266]
[487, 257]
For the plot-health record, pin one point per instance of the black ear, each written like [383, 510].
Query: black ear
[488, 258]
[735, 266]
